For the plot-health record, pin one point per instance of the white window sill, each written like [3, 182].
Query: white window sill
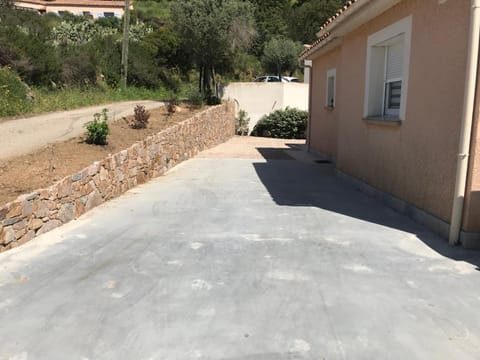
[329, 108]
[383, 120]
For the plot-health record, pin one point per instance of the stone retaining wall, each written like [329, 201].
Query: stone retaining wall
[45, 209]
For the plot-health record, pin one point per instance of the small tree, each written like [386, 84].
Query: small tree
[281, 54]
[241, 123]
[210, 31]
[140, 119]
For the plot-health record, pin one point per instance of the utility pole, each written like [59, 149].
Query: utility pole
[126, 29]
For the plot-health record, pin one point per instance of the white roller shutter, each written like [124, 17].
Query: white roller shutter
[394, 61]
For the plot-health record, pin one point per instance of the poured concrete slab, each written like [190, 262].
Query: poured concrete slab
[240, 259]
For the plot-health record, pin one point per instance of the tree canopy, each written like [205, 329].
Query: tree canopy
[211, 31]
[307, 16]
[280, 54]
[172, 43]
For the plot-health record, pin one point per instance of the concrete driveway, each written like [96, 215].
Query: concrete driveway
[241, 258]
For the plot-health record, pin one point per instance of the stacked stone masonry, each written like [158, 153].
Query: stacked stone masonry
[45, 209]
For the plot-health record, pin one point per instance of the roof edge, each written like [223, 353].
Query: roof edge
[343, 21]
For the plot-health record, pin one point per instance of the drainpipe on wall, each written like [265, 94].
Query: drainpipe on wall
[466, 125]
[308, 64]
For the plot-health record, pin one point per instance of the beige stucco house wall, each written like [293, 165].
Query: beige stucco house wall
[411, 155]
[93, 8]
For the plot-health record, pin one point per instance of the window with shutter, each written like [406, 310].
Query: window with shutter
[330, 93]
[393, 76]
[388, 57]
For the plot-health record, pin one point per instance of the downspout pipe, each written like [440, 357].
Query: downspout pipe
[466, 125]
[308, 64]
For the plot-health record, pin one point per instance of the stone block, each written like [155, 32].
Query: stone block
[93, 169]
[27, 237]
[20, 225]
[44, 194]
[132, 172]
[103, 174]
[35, 224]
[11, 221]
[19, 233]
[77, 177]
[80, 206]
[65, 187]
[94, 199]
[27, 208]
[3, 213]
[15, 210]
[7, 236]
[66, 213]
[28, 197]
[50, 225]
[41, 208]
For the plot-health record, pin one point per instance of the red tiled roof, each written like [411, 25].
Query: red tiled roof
[330, 20]
[108, 3]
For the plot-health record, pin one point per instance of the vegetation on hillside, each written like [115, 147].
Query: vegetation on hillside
[176, 46]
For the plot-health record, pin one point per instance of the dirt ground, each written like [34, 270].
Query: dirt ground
[42, 168]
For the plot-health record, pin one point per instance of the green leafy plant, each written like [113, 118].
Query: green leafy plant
[241, 123]
[98, 130]
[290, 123]
[141, 116]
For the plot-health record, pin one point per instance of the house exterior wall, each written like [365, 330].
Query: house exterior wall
[97, 8]
[414, 160]
[324, 121]
[471, 218]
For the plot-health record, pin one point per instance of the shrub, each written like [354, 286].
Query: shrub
[172, 106]
[195, 98]
[283, 124]
[97, 130]
[15, 96]
[78, 69]
[241, 123]
[213, 100]
[141, 118]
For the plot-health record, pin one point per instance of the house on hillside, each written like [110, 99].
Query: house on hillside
[90, 8]
[395, 105]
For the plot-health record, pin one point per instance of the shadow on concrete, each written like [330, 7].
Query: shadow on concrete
[302, 183]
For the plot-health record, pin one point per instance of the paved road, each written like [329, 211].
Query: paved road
[241, 259]
[22, 136]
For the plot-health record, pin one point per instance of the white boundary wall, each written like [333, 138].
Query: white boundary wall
[259, 99]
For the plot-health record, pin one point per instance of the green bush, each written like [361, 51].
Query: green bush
[283, 124]
[15, 97]
[97, 130]
[195, 98]
[78, 69]
[213, 100]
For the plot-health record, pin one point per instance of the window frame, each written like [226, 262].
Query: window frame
[375, 42]
[331, 73]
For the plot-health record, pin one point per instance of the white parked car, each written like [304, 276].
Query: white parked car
[291, 79]
[273, 78]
